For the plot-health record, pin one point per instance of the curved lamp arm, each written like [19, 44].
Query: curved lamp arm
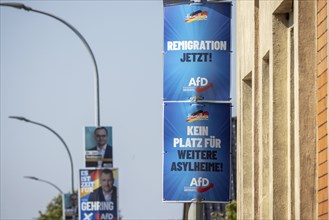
[61, 139]
[26, 8]
[45, 181]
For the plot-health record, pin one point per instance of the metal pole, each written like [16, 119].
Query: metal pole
[195, 211]
[61, 139]
[26, 8]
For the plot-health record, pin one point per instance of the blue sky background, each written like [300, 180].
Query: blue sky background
[47, 76]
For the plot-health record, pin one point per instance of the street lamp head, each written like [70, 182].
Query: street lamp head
[31, 177]
[19, 118]
[16, 5]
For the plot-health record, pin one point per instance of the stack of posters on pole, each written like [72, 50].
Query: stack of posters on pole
[98, 191]
[197, 108]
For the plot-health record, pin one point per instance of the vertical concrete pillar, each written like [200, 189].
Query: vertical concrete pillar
[255, 114]
[305, 104]
[279, 123]
[264, 150]
[291, 126]
[247, 150]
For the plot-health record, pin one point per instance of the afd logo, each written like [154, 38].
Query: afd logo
[97, 216]
[196, 16]
[200, 83]
[202, 184]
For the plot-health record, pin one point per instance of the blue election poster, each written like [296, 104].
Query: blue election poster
[98, 193]
[196, 161]
[197, 51]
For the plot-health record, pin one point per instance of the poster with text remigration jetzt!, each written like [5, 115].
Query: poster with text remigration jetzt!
[98, 147]
[98, 194]
[197, 52]
[196, 159]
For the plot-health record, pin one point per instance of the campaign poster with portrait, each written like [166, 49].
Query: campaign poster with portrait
[71, 207]
[196, 157]
[197, 52]
[98, 194]
[98, 147]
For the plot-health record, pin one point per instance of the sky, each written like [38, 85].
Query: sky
[47, 76]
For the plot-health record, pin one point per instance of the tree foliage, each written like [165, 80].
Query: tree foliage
[231, 210]
[54, 210]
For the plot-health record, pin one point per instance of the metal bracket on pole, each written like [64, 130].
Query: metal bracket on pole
[195, 210]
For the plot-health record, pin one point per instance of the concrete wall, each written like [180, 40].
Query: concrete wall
[277, 109]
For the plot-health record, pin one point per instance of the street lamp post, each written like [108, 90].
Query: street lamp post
[61, 139]
[45, 181]
[26, 8]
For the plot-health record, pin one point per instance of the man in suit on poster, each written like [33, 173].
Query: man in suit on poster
[107, 192]
[71, 206]
[103, 149]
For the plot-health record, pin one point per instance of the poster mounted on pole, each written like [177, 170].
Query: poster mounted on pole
[197, 52]
[98, 194]
[98, 147]
[70, 204]
[196, 157]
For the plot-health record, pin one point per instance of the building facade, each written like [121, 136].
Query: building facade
[282, 102]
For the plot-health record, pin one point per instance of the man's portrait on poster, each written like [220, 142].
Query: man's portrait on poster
[100, 153]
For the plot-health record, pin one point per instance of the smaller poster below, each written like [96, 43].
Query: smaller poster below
[98, 147]
[70, 205]
[196, 161]
[99, 194]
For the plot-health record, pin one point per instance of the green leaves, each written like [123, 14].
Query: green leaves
[231, 210]
[54, 210]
